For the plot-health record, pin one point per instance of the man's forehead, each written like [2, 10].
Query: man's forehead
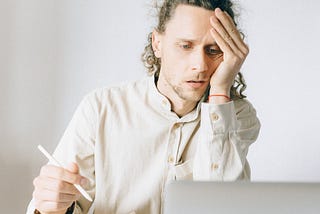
[191, 12]
[190, 22]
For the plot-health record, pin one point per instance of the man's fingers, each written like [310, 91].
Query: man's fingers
[73, 167]
[234, 61]
[231, 30]
[54, 188]
[48, 195]
[60, 174]
[226, 38]
[220, 41]
[54, 185]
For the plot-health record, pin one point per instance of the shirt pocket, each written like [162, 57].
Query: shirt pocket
[183, 171]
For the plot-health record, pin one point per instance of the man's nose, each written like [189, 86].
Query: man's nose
[199, 61]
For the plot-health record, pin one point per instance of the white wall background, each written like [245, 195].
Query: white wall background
[282, 73]
[52, 52]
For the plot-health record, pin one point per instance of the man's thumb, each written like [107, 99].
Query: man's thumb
[73, 167]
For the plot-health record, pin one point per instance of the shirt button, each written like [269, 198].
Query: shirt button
[214, 166]
[177, 125]
[170, 159]
[214, 117]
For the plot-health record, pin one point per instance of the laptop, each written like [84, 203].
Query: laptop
[188, 197]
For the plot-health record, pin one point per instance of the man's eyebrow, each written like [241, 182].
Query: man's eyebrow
[187, 40]
[194, 41]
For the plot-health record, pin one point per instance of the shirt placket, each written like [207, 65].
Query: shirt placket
[173, 148]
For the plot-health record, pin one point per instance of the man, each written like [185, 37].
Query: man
[186, 121]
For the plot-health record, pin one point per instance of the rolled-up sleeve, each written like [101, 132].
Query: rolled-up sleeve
[226, 132]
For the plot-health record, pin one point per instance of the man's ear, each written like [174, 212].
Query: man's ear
[156, 43]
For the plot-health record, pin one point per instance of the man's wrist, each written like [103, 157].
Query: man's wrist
[67, 211]
[219, 96]
[38, 212]
[216, 90]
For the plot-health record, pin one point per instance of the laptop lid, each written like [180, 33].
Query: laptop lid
[241, 198]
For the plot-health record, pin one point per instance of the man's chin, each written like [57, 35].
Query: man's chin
[195, 97]
[190, 95]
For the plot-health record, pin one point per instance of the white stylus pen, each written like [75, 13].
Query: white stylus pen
[55, 162]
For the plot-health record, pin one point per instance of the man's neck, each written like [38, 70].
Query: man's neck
[178, 105]
[181, 107]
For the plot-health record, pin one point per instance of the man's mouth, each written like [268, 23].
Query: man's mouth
[196, 84]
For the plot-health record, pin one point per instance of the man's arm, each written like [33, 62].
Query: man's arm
[226, 132]
[227, 127]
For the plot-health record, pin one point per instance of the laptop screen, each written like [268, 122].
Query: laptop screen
[241, 198]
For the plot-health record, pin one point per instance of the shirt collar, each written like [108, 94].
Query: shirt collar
[163, 105]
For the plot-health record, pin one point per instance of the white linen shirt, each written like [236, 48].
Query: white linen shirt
[129, 144]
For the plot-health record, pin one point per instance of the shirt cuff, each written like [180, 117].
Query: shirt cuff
[69, 210]
[219, 118]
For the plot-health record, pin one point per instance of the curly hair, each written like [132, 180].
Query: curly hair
[165, 13]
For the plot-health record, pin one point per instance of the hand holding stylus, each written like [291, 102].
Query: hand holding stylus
[56, 188]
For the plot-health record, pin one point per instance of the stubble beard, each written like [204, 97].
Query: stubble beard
[186, 95]
[182, 92]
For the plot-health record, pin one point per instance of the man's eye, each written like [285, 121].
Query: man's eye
[185, 46]
[212, 51]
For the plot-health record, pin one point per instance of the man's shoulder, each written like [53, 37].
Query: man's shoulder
[118, 91]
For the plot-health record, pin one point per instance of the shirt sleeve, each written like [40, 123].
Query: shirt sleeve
[226, 132]
[77, 145]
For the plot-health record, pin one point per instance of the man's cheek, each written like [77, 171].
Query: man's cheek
[216, 64]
